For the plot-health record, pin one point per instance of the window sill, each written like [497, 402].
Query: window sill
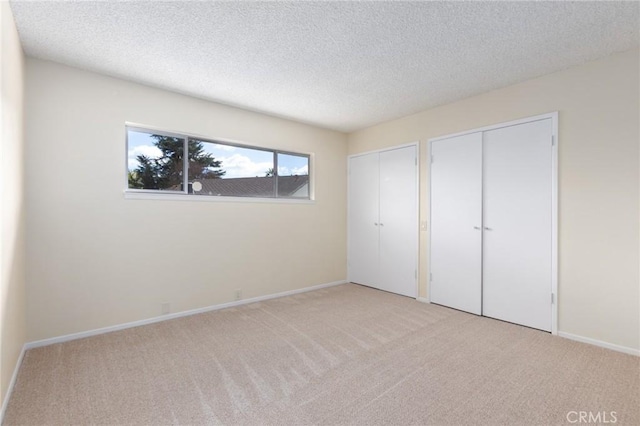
[148, 195]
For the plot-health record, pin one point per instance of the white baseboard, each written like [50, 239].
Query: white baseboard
[14, 377]
[612, 346]
[95, 332]
[600, 343]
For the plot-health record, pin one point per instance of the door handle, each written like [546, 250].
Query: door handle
[382, 224]
[375, 223]
[476, 227]
[488, 229]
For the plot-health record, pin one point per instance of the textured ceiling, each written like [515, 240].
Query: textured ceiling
[340, 65]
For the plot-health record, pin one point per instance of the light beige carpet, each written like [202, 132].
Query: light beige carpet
[342, 355]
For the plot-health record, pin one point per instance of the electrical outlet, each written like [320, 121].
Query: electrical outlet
[238, 294]
[166, 308]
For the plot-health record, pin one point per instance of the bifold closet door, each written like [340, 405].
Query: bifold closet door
[363, 219]
[456, 220]
[518, 224]
[398, 221]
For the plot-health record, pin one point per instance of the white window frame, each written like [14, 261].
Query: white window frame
[184, 195]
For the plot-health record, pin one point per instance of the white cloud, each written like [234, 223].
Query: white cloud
[241, 166]
[304, 170]
[146, 150]
[297, 171]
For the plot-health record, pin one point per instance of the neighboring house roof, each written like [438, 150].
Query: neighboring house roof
[288, 186]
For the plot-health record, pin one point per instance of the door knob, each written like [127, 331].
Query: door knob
[476, 227]
[375, 223]
[382, 224]
[488, 229]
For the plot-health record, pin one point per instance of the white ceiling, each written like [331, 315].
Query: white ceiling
[340, 65]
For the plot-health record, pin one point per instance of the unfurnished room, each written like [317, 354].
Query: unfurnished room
[319, 212]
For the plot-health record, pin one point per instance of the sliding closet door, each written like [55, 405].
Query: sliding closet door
[363, 219]
[398, 221]
[517, 224]
[456, 220]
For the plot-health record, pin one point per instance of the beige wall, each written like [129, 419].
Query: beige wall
[12, 253]
[599, 115]
[96, 259]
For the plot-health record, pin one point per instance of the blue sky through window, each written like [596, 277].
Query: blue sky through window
[236, 161]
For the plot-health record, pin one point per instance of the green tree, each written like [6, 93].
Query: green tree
[166, 171]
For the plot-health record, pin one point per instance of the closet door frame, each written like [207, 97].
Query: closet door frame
[554, 199]
[415, 144]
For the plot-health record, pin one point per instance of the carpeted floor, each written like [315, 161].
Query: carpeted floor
[342, 355]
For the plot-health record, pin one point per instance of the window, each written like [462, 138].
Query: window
[156, 163]
[293, 175]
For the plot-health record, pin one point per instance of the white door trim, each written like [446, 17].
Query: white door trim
[554, 199]
[551, 115]
[554, 222]
[391, 148]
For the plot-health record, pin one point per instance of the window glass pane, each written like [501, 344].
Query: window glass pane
[293, 176]
[154, 161]
[226, 170]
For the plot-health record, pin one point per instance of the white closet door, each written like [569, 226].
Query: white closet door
[363, 219]
[398, 221]
[456, 218]
[517, 219]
